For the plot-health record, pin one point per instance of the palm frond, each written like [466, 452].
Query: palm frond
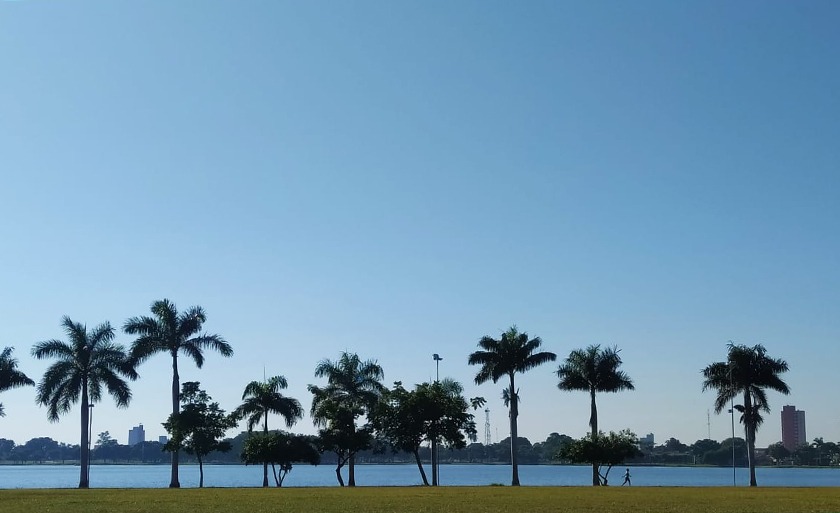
[10, 376]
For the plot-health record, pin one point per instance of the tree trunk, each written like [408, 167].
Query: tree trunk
[351, 471]
[265, 463]
[277, 480]
[514, 413]
[749, 431]
[200, 472]
[176, 408]
[593, 423]
[84, 454]
[420, 466]
[338, 473]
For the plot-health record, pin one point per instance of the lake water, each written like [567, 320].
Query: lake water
[157, 476]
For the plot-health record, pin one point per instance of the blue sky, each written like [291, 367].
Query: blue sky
[399, 179]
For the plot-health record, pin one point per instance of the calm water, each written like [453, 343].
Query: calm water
[157, 476]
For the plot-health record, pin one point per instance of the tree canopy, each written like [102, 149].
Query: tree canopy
[200, 426]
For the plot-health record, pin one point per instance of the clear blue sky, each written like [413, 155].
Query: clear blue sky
[401, 178]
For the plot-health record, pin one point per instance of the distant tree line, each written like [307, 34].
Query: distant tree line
[672, 452]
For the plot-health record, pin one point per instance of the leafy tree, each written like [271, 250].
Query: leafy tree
[513, 353]
[10, 376]
[105, 446]
[432, 411]
[353, 390]
[747, 371]
[593, 370]
[724, 453]
[340, 436]
[701, 447]
[281, 450]
[85, 364]
[262, 398]
[778, 452]
[824, 452]
[552, 446]
[674, 445]
[173, 333]
[804, 454]
[199, 427]
[6, 448]
[602, 450]
[147, 452]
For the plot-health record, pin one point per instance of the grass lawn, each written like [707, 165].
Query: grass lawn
[419, 499]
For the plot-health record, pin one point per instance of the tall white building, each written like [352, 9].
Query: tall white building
[136, 435]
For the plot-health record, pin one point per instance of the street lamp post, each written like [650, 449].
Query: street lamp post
[435, 455]
[90, 435]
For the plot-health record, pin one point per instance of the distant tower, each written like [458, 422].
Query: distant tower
[136, 435]
[709, 424]
[793, 427]
[487, 440]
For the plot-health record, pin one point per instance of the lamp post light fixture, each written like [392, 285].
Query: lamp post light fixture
[437, 359]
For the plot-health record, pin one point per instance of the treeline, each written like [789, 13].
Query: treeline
[672, 452]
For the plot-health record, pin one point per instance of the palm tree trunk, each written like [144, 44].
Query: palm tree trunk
[84, 455]
[265, 463]
[593, 423]
[749, 431]
[176, 408]
[514, 413]
[420, 466]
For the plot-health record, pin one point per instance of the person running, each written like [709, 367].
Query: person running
[627, 478]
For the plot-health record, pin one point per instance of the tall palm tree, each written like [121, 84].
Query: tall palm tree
[593, 370]
[173, 333]
[89, 360]
[747, 371]
[353, 388]
[512, 353]
[262, 398]
[10, 376]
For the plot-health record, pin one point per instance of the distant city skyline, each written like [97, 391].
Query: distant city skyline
[401, 179]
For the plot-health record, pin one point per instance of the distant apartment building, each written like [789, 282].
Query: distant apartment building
[793, 427]
[136, 435]
[163, 439]
[646, 442]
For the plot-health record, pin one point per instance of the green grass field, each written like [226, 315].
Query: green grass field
[419, 499]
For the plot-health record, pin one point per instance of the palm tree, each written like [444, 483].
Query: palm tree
[748, 371]
[262, 398]
[505, 357]
[87, 362]
[353, 388]
[10, 376]
[173, 333]
[593, 370]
